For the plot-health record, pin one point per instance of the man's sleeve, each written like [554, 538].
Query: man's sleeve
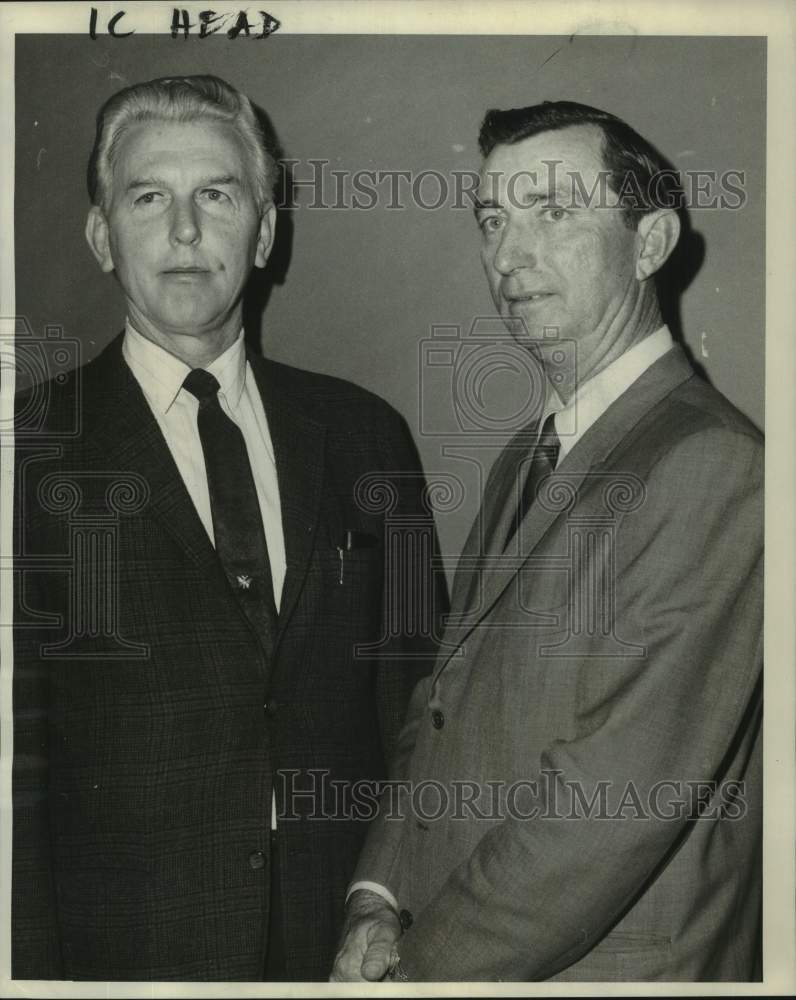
[536, 895]
[402, 683]
[380, 859]
[35, 943]
[415, 593]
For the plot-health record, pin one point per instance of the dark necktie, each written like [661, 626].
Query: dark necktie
[237, 521]
[542, 463]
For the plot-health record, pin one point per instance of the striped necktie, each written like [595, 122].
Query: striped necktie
[542, 463]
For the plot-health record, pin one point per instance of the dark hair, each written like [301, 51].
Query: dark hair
[637, 172]
[177, 99]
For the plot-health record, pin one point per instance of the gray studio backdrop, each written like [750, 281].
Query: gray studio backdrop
[355, 292]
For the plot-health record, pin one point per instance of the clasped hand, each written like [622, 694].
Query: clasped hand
[367, 947]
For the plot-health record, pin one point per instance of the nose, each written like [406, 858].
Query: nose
[518, 248]
[185, 223]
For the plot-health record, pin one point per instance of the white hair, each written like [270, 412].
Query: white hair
[178, 99]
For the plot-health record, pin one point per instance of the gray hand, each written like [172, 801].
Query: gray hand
[367, 947]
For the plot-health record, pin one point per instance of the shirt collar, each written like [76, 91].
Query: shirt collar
[598, 393]
[161, 374]
[230, 370]
[552, 404]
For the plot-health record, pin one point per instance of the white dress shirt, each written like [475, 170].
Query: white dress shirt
[587, 405]
[593, 398]
[160, 376]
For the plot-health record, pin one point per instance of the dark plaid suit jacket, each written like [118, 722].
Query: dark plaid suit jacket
[151, 725]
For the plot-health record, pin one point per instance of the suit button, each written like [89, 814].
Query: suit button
[437, 719]
[406, 919]
[271, 707]
[257, 860]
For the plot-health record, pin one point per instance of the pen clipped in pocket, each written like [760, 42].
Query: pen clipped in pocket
[350, 541]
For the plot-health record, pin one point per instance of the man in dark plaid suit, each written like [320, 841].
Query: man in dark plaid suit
[194, 737]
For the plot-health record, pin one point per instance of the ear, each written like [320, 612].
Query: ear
[658, 233]
[265, 238]
[97, 236]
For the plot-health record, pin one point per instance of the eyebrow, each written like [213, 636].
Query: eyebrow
[227, 179]
[142, 182]
[554, 195]
[479, 205]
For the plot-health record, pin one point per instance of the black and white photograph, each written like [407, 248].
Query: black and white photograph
[397, 499]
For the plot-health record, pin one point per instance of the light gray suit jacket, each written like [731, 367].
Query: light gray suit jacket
[590, 684]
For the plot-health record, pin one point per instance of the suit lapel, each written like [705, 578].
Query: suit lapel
[299, 443]
[120, 427]
[590, 453]
[464, 578]
[119, 424]
[498, 506]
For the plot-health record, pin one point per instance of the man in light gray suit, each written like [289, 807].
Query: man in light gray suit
[594, 742]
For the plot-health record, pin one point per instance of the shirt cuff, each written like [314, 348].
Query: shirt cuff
[380, 890]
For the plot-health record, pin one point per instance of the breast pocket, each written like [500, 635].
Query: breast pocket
[350, 573]
[357, 550]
